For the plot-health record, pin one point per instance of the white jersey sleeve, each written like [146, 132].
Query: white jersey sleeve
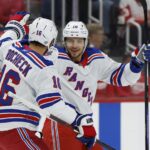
[6, 40]
[116, 73]
[49, 95]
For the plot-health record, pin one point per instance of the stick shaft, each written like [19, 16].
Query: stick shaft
[146, 71]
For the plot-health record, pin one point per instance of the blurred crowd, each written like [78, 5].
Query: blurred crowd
[109, 37]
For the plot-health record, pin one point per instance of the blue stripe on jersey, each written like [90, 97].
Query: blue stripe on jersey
[48, 104]
[61, 57]
[40, 57]
[34, 61]
[47, 96]
[70, 105]
[5, 40]
[61, 50]
[113, 74]
[45, 61]
[120, 75]
[92, 51]
[19, 120]
[93, 54]
[110, 124]
[20, 111]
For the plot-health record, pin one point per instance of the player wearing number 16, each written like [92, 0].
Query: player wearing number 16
[25, 72]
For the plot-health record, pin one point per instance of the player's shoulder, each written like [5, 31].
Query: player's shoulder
[5, 40]
[93, 54]
[62, 53]
[60, 49]
[35, 58]
[92, 50]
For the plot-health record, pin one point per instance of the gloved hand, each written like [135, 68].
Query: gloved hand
[138, 57]
[146, 53]
[18, 22]
[86, 131]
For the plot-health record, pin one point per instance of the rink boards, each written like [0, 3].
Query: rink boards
[121, 125]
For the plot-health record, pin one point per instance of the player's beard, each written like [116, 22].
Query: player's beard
[75, 57]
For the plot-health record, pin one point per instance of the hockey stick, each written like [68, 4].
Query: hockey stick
[45, 114]
[146, 38]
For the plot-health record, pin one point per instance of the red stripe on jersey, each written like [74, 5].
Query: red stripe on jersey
[63, 54]
[37, 60]
[95, 55]
[115, 77]
[45, 100]
[4, 116]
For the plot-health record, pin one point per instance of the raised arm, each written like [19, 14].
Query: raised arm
[119, 74]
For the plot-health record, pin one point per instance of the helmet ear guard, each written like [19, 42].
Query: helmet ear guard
[76, 29]
[43, 31]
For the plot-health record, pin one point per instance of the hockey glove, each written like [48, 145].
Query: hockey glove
[138, 57]
[17, 23]
[86, 131]
[146, 53]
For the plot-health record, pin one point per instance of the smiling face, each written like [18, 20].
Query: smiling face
[75, 47]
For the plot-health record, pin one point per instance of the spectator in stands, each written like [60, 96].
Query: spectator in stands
[9, 7]
[132, 10]
[97, 37]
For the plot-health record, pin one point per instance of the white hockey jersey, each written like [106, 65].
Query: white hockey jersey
[33, 78]
[79, 81]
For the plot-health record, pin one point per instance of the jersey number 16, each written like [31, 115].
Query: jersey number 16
[7, 80]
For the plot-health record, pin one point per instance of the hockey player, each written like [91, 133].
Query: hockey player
[80, 68]
[26, 73]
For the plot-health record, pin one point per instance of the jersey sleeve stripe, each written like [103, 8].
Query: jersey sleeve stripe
[7, 120]
[49, 95]
[120, 75]
[3, 116]
[116, 76]
[46, 100]
[11, 115]
[48, 104]
[19, 111]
